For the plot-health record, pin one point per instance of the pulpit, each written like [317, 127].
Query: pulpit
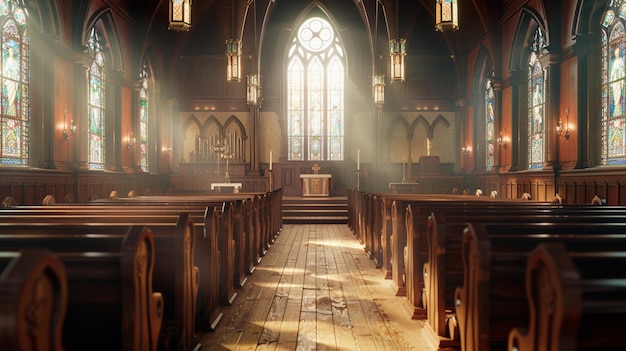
[316, 184]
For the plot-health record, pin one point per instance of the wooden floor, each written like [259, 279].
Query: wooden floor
[316, 289]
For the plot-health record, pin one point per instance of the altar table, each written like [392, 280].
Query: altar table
[316, 184]
[226, 187]
[404, 188]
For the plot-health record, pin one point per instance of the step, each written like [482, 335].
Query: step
[315, 210]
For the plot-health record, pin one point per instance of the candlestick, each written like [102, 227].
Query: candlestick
[358, 159]
[270, 160]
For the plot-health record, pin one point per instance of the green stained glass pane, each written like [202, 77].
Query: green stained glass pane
[95, 101]
[613, 93]
[14, 84]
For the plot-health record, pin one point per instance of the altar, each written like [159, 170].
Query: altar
[404, 188]
[316, 184]
[226, 187]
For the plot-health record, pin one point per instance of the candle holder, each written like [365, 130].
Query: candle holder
[358, 180]
[227, 157]
[219, 149]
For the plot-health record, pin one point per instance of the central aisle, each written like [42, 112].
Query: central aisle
[316, 289]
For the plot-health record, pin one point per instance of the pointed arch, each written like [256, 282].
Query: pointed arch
[418, 121]
[440, 120]
[104, 21]
[399, 121]
[236, 137]
[315, 91]
[212, 120]
[190, 121]
[43, 17]
[233, 120]
[527, 24]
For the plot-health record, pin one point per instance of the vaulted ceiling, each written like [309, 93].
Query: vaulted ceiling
[214, 21]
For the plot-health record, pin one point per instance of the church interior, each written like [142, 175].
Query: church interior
[511, 97]
[467, 145]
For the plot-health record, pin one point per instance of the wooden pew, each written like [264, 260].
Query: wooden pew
[108, 276]
[267, 206]
[33, 300]
[431, 294]
[444, 265]
[246, 253]
[577, 301]
[492, 299]
[175, 274]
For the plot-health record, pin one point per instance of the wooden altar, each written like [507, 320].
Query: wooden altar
[316, 184]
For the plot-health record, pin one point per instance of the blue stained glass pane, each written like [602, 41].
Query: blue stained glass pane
[14, 88]
[489, 126]
[536, 112]
[95, 100]
[613, 85]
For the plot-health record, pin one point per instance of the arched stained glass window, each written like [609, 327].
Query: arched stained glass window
[315, 93]
[489, 126]
[143, 119]
[96, 101]
[536, 105]
[613, 102]
[15, 79]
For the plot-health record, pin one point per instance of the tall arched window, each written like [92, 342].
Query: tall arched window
[315, 93]
[613, 102]
[143, 119]
[536, 104]
[15, 79]
[489, 126]
[96, 101]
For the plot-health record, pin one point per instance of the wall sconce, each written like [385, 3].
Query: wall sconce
[466, 150]
[167, 150]
[379, 89]
[131, 142]
[180, 15]
[233, 60]
[502, 141]
[72, 129]
[559, 127]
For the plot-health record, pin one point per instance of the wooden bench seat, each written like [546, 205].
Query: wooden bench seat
[444, 264]
[116, 286]
[206, 250]
[492, 299]
[241, 251]
[433, 260]
[577, 301]
[32, 280]
[175, 274]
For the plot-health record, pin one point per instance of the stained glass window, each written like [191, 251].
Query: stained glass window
[14, 80]
[96, 101]
[613, 101]
[489, 126]
[536, 105]
[315, 93]
[143, 120]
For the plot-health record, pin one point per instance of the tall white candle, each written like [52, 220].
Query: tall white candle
[358, 159]
[270, 160]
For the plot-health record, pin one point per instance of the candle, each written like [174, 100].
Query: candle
[270, 160]
[358, 159]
